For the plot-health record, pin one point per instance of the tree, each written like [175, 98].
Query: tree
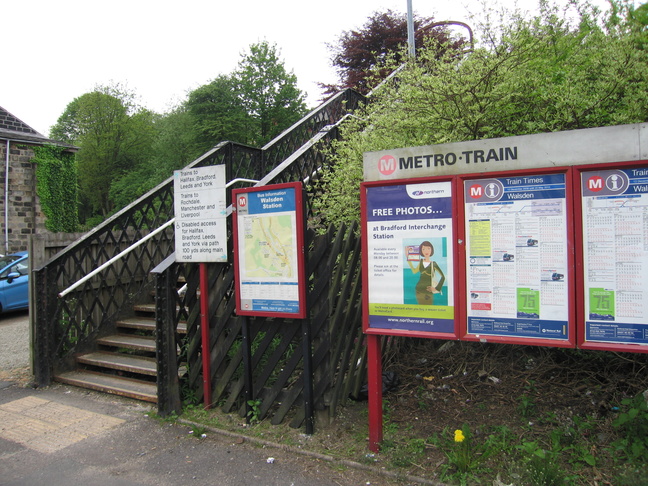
[268, 92]
[174, 146]
[556, 71]
[114, 135]
[258, 101]
[218, 113]
[366, 56]
[126, 150]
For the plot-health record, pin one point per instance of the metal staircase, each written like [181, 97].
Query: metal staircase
[105, 334]
[124, 363]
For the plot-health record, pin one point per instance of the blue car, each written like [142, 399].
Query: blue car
[14, 281]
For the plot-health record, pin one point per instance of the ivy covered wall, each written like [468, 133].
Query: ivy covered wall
[57, 187]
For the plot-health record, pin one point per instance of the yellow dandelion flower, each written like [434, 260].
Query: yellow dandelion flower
[459, 436]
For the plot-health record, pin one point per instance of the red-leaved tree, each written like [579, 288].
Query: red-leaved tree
[360, 55]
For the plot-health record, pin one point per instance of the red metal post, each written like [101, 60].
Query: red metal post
[374, 382]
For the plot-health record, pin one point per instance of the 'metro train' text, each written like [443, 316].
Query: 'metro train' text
[451, 158]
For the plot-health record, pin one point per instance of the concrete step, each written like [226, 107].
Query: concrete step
[146, 324]
[123, 362]
[117, 385]
[129, 341]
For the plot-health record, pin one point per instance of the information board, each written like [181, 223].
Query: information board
[550, 240]
[517, 265]
[615, 255]
[536, 263]
[408, 258]
[200, 214]
[269, 251]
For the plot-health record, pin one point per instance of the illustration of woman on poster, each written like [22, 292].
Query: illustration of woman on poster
[431, 278]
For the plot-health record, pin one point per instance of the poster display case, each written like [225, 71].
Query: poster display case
[543, 236]
[518, 255]
[614, 240]
[269, 251]
[408, 258]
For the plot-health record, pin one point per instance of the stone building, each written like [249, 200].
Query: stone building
[20, 210]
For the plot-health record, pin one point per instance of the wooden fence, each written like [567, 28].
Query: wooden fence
[334, 322]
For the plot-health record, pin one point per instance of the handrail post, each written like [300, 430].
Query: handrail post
[43, 329]
[204, 332]
[168, 383]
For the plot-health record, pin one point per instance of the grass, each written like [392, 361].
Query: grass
[564, 454]
[564, 422]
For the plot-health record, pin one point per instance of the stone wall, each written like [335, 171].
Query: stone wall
[25, 216]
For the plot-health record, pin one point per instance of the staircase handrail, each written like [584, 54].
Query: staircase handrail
[298, 153]
[272, 175]
[117, 257]
[347, 93]
[137, 243]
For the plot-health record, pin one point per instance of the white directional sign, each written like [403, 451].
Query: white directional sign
[201, 216]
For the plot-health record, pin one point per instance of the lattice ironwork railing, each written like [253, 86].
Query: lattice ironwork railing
[335, 321]
[69, 325]
[329, 113]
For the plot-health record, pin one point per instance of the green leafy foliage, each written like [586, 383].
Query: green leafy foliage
[126, 150]
[543, 471]
[464, 452]
[254, 414]
[56, 175]
[217, 113]
[114, 134]
[632, 424]
[252, 105]
[559, 70]
[268, 92]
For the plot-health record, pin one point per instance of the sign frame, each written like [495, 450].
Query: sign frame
[203, 223]
[464, 301]
[280, 196]
[449, 269]
[581, 264]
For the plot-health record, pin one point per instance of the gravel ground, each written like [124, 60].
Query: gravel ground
[14, 342]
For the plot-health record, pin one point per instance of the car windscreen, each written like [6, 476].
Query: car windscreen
[6, 260]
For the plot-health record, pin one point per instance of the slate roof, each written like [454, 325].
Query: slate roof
[13, 128]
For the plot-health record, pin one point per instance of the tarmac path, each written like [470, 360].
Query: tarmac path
[14, 340]
[67, 436]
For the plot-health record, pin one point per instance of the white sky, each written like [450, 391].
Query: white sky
[56, 50]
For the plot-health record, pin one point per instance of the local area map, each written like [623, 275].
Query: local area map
[269, 247]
